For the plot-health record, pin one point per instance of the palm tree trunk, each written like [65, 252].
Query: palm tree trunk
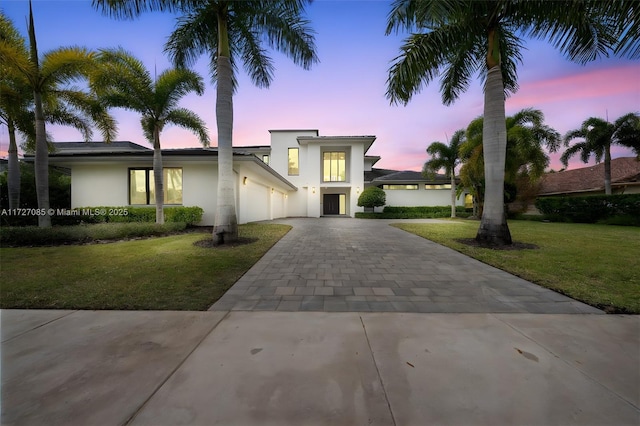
[41, 165]
[226, 223]
[607, 170]
[157, 176]
[13, 172]
[42, 149]
[493, 226]
[453, 193]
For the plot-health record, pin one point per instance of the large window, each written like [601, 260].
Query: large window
[438, 186]
[410, 186]
[294, 164]
[334, 166]
[142, 187]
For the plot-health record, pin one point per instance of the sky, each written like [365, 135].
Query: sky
[343, 94]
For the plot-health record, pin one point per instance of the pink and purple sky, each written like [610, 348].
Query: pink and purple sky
[344, 94]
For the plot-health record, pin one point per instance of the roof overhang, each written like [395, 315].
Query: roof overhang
[366, 140]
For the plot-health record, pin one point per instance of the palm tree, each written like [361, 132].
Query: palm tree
[526, 159]
[598, 135]
[46, 77]
[460, 38]
[446, 157]
[123, 81]
[230, 32]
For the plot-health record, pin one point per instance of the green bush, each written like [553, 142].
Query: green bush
[421, 212]
[372, 197]
[35, 236]
[59, 195]
[591, 209]
[105, 214]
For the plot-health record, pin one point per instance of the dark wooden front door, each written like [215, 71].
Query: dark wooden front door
[331, 204]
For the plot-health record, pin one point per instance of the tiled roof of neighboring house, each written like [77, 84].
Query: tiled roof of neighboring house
[591, 179]
[408, 176]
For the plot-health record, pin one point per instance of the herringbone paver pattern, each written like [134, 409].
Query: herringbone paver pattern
[343, 264]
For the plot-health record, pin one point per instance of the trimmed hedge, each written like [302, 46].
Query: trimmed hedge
[623, 209]
[35, 236]
[421, 212]
[124, 214]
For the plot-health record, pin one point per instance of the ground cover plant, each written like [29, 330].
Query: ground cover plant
[596, 264]
[166, 273]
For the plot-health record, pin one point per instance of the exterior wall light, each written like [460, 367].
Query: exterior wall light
[272, 190]
[244, 180]
[313, 189]
[357, 190]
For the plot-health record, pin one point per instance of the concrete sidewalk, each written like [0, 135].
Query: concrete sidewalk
[316, 368]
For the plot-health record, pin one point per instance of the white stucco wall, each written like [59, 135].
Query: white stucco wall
[199, 187]
[96, 184]
[420, 197]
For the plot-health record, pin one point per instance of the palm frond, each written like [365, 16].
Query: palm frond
[172, 85]
[130, 9]
[284, 27]
[65, 65]
[189, 120]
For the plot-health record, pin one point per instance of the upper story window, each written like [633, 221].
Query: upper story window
[294, 164]
[334, 166]
[265, 158]
[409, 186]
[142, 188]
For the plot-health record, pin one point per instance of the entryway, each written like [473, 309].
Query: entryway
[334, 204]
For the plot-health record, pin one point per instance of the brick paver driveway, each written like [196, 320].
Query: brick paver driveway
[344, 264]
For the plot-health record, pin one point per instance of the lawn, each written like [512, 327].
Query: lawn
[596, 264]
[165, 273]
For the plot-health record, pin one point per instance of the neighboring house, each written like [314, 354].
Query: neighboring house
[300, 174]
[625, 179]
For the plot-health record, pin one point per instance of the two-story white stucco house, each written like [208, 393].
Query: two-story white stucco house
[300, 174]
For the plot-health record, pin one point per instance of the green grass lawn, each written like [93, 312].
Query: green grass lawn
[596, 264]
[166, 273]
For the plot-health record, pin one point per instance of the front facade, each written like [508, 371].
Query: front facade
[300, 174]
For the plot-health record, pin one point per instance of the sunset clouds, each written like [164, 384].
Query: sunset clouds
[345, 93]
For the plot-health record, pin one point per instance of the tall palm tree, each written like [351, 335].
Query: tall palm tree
[446, 157]
[526, 160]
[123, 81]
[458, 39]
[230, 32]
[48, 77]
[598, 135]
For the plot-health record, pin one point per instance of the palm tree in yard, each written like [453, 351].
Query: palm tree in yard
[123, 81]
[230, 32]
[457, 39]
[47, 79]
[597, 137]
[446, 157]
[526, 160]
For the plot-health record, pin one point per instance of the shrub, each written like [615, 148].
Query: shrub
[420, 212]
[372, 197]
[591, 209]
[35, 236]
[124, 214]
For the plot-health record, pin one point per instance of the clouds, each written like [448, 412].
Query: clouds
[345, 93]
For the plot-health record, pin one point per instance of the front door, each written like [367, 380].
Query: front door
[331, 204]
